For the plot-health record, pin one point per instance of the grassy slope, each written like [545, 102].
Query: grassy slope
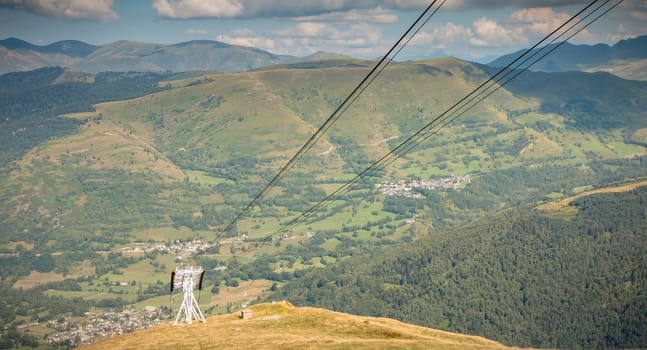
[194, 129]
[202, 123]
[122, 175]
[281, 325]
[266, 115]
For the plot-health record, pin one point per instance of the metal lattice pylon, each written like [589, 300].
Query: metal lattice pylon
[187, 278]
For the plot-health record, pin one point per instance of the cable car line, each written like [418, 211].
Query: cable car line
[446, 117]
[348, 101]
[497, 83]
[422, 134]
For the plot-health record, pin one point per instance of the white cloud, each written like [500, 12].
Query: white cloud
[539, 20]
[584, 37]
[374, 11]
[304, 38]
[451, 32]
[542, 21]
[246, 37]
[621, 34]
[192, 31]
[72, 9]
[352, 27]
[440, 38]
[185, 9]
[484, 35]
[308, 29]
[490, 33]
[368, 32]
[495, 37]
[499, 4]
[637, 10]
[376, 15]
[338, 10]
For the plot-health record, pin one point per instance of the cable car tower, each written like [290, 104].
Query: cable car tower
[187, 278]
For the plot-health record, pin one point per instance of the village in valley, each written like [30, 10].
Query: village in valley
[406, 188]
[100, 325]
[104, 325]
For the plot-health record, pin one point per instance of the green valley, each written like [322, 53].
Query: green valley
[109, 186]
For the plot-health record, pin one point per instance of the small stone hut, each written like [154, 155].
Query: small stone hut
[246, 314]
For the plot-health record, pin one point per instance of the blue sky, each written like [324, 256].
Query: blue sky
[469, 29]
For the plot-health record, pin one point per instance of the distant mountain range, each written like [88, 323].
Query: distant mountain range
[19, 55]
[626, 59]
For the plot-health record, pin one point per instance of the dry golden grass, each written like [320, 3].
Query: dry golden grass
[563, 204]
[283, 326]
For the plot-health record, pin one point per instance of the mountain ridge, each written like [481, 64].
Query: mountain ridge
[73, 48]
[591, 58]
[125, 55]
[627, 58]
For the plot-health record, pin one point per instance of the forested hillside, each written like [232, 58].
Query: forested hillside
[524, 277]
[592, 101]
[31, 103]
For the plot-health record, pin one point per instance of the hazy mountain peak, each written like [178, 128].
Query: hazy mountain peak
[599, 57]
[126, 55]
[211, 43]
[16, 44]
[72, 48]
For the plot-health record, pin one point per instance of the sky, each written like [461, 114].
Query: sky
[468, 29]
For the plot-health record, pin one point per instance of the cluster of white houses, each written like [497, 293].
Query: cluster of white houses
[168, 248]
[108, 324]
[405, 188]
[103, 325]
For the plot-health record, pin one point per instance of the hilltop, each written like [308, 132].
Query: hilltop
[281, 325]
